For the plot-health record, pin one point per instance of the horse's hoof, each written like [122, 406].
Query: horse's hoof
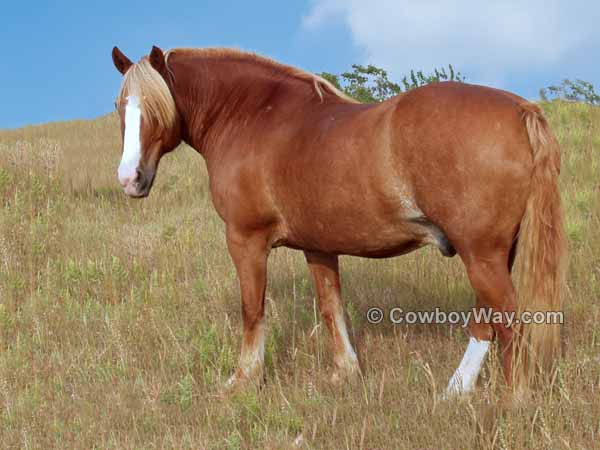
[347, 373]
[241, 380]
[452, 394]
[455, 391]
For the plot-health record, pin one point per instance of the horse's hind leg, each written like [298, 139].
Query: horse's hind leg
[325, 272]
[249, 254]
[490, 278]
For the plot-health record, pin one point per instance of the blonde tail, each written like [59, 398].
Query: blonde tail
[541, 253]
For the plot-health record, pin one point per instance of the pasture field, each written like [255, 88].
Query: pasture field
[120, 319]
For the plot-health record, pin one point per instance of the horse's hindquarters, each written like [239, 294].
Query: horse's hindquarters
[470, 162]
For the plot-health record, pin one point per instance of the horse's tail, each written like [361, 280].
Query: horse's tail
[541, 253]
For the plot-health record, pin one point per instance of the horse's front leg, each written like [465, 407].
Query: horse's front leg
[249, 253]
[325, 272]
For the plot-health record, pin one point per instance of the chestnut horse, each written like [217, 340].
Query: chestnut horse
[294, 162]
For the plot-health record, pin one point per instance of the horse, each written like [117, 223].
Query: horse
[293, 161]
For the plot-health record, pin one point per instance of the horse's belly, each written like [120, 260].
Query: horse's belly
[372, 234]
[387, 251]
[358, 238]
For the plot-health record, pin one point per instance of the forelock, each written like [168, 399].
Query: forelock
[157, 103]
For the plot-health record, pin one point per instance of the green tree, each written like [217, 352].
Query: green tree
[418, 79]
[572, 91]
[369, 84]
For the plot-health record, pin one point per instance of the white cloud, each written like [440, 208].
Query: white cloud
[485, 39]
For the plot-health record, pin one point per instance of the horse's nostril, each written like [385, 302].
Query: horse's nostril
[139, 177]
[124, 181]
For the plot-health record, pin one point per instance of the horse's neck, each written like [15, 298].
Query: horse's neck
[220, 98]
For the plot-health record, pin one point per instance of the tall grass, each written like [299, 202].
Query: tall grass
[119, 319]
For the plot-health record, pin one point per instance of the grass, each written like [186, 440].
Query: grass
[119, 319]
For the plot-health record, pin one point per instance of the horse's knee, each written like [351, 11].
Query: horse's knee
[328, 307]
[252, 314]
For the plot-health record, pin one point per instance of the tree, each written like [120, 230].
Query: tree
[572, 91]
[369, 84]
[418, 79]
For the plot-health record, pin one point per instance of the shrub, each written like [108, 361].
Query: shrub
[573, 91]
[370, 84]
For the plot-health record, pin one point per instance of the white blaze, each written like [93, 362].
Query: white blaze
[131, 142]
[465, 376]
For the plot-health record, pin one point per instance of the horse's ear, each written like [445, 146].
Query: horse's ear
[157, 60]
[122, 62]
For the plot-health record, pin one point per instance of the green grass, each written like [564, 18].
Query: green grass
[119, 319]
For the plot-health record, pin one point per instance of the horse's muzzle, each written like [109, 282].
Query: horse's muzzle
[140, 186]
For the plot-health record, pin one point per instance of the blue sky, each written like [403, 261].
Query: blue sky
[57, 63]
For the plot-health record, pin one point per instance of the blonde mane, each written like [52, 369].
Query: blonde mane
[157, 103]
[320, 84]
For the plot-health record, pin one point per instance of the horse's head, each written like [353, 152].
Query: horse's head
[150, 124]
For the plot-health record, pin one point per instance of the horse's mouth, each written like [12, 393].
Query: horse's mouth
[140, 187]
[135, 193]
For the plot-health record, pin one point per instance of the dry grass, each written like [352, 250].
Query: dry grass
[119, 319]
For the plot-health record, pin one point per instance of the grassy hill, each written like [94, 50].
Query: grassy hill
[119, 319]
